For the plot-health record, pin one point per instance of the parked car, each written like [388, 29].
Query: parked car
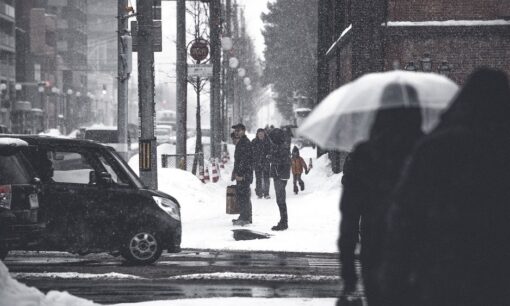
[164, 134]
[94, 202]
[20, 224]
[109, 136]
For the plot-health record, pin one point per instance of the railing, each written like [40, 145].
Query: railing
[177, 161]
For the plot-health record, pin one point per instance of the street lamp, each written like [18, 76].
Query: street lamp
[247, 81]
[233, 62]
[241, 72]
[18, 86]
[226, 43]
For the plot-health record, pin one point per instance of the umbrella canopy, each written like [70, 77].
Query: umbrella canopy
[344, 118]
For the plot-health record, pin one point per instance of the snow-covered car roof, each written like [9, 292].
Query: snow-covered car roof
[13, 142]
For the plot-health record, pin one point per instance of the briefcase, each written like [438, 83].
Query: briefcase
[232, 207]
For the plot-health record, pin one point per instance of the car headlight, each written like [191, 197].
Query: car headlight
[168, 206]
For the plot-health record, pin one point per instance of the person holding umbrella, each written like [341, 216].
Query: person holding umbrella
[370, 174]
[449, 226]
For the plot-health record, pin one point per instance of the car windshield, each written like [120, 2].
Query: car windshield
[103, 136]
[13, 170]
[125, 167]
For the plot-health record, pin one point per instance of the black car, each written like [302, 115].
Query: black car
[93, 202]
[20, 225]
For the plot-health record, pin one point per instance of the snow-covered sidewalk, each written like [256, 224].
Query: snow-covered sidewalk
[314, 216]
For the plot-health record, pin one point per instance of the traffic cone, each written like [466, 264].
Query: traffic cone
[215, 177]
[222, 163]
[207, 179]
[201, 174]
[218, 166]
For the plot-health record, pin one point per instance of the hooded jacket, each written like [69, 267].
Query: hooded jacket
[279, 157]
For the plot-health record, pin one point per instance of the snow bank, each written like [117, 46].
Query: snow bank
[13, 293]
[15, 142]
[241, 301]
[314, 216]
[255, 276]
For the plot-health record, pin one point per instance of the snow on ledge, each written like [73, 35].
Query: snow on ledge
[254, 276]
[15, 142]
[447, 23]
[72, 275]
[333, 46]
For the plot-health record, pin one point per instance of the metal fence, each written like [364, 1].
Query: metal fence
[177, 160]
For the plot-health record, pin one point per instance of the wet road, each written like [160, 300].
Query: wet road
[191, 273]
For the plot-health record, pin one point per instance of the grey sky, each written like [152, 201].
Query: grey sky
[254, 25]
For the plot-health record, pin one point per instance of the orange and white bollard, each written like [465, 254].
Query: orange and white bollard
[207, 179]
[215, 177]
[201, 174]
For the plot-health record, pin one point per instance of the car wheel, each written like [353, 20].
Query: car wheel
[3, 252]
[142, 247]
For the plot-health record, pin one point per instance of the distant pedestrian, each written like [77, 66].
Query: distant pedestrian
[370, 175]
[280, 172]
[261, 149]
[243, 174]
[449, 231]
[298, 165]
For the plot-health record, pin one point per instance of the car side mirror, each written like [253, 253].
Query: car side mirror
[104, 179]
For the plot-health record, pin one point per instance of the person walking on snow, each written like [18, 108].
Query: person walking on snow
[243, 174]
[261, 149]
[298, 164]
[280, 172]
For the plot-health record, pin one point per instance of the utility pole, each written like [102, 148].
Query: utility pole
[229, 87]
[124, 69]
[182, 75]
[215, 28]
[148, 153]
[235, 92]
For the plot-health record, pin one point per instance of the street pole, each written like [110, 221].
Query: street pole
[147, 147]
[229, 75]
[181, 86]
[123, 39]
[215, 28]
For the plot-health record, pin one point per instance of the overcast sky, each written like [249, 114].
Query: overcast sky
[253, 9]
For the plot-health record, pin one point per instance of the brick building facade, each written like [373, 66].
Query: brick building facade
[450, 37]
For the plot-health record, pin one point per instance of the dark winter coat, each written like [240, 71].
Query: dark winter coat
[261, 150]
[243, 160]
[370, 175]
[449, 231]
[279, 157]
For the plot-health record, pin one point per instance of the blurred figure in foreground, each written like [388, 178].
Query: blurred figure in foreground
[370, 175]
[449, 231]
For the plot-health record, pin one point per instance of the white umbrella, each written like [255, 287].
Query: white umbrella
[344, 118]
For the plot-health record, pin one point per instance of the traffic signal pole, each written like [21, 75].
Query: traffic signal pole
[182, 81]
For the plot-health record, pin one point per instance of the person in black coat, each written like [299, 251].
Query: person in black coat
[370, 175]
[449, 230]
[243, 174]
[261, 149]
[280, 172]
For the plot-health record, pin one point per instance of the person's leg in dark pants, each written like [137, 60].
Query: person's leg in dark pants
[266, 183]
[259, 180]
[294, 181]
[243, 200]
[300, 181]
[279, 187]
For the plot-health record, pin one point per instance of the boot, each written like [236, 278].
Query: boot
[296, 190]
[302, 185]
[281, 226]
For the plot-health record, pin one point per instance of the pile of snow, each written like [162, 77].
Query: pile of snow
[314, 216]
[13, 293]
[241, 301]
[15, 142]
[73, 275]
[53, 133]
[255, 276]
